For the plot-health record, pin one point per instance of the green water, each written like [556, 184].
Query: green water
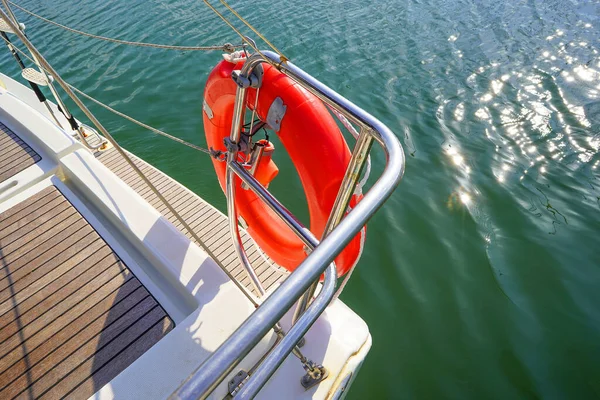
[480, 277]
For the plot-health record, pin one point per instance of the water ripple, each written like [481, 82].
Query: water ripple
[480, 275]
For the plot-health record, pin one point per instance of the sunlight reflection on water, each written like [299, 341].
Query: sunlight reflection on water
[528, 113]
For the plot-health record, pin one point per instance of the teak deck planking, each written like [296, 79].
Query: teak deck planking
[72, 315]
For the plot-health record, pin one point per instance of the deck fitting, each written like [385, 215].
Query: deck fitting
[315, 374]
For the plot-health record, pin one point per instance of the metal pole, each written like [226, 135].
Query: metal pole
[238, 121]
[345, 193]
[239, 344]
[267, 368]
[357, 162]
[61, 105]
[36, 89]
[301, 231]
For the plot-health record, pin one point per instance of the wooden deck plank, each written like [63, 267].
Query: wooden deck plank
[39, 323]
[167, 189]
[38, 224]
[194, 207]
[5, 140]
[46, 193]
[179, 200]
[64, 286]
[12, 144]
[61, 263]
[34, 239]
[42, 242]
[128, 175]
[209, 224]
[86, 357]
[16, 155]
[77, 332]
[12, 272]
[17, 220]
[201, 218]
[49, 333]
[102, 376]
[18, 163]
[108, 157]
[205, 217]
[14, 151]
[72, 315]
[125, 171]
[6, 341]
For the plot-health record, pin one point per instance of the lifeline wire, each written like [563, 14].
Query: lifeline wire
[260, 35]
[122, 152]
[127, 117]
[228, 47]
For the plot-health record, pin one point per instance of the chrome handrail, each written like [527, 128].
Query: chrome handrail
[266, 317]
[341, 230]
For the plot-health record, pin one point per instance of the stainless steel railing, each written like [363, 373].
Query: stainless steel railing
[301, 284]
[339, 231]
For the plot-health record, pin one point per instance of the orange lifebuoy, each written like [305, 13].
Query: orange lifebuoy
[314, 143]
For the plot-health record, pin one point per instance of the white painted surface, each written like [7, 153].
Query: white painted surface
[205, 305]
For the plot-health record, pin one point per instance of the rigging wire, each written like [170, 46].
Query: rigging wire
[127, 117]
[260, 35]
[143, 125]
[126, 157]
[228, 47]
[244, 38]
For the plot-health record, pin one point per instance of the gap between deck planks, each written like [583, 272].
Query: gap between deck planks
[208, 223]
[15, 154]
[72, 315]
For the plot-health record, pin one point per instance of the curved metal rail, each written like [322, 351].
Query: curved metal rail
[301, 284]
[339, 231]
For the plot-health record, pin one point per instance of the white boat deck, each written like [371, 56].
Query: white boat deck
[72, 315]
[192, 307]
[208, 223]
[15, 155]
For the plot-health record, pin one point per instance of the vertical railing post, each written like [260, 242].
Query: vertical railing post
[239, 109]
[345, 193]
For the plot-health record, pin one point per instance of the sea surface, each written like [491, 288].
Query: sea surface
[481, 275]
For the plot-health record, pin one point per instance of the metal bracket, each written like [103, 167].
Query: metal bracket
[276, 113]
[315, 374]
[236, 383]
[207, 109]
[254, 80]
[242, 145]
